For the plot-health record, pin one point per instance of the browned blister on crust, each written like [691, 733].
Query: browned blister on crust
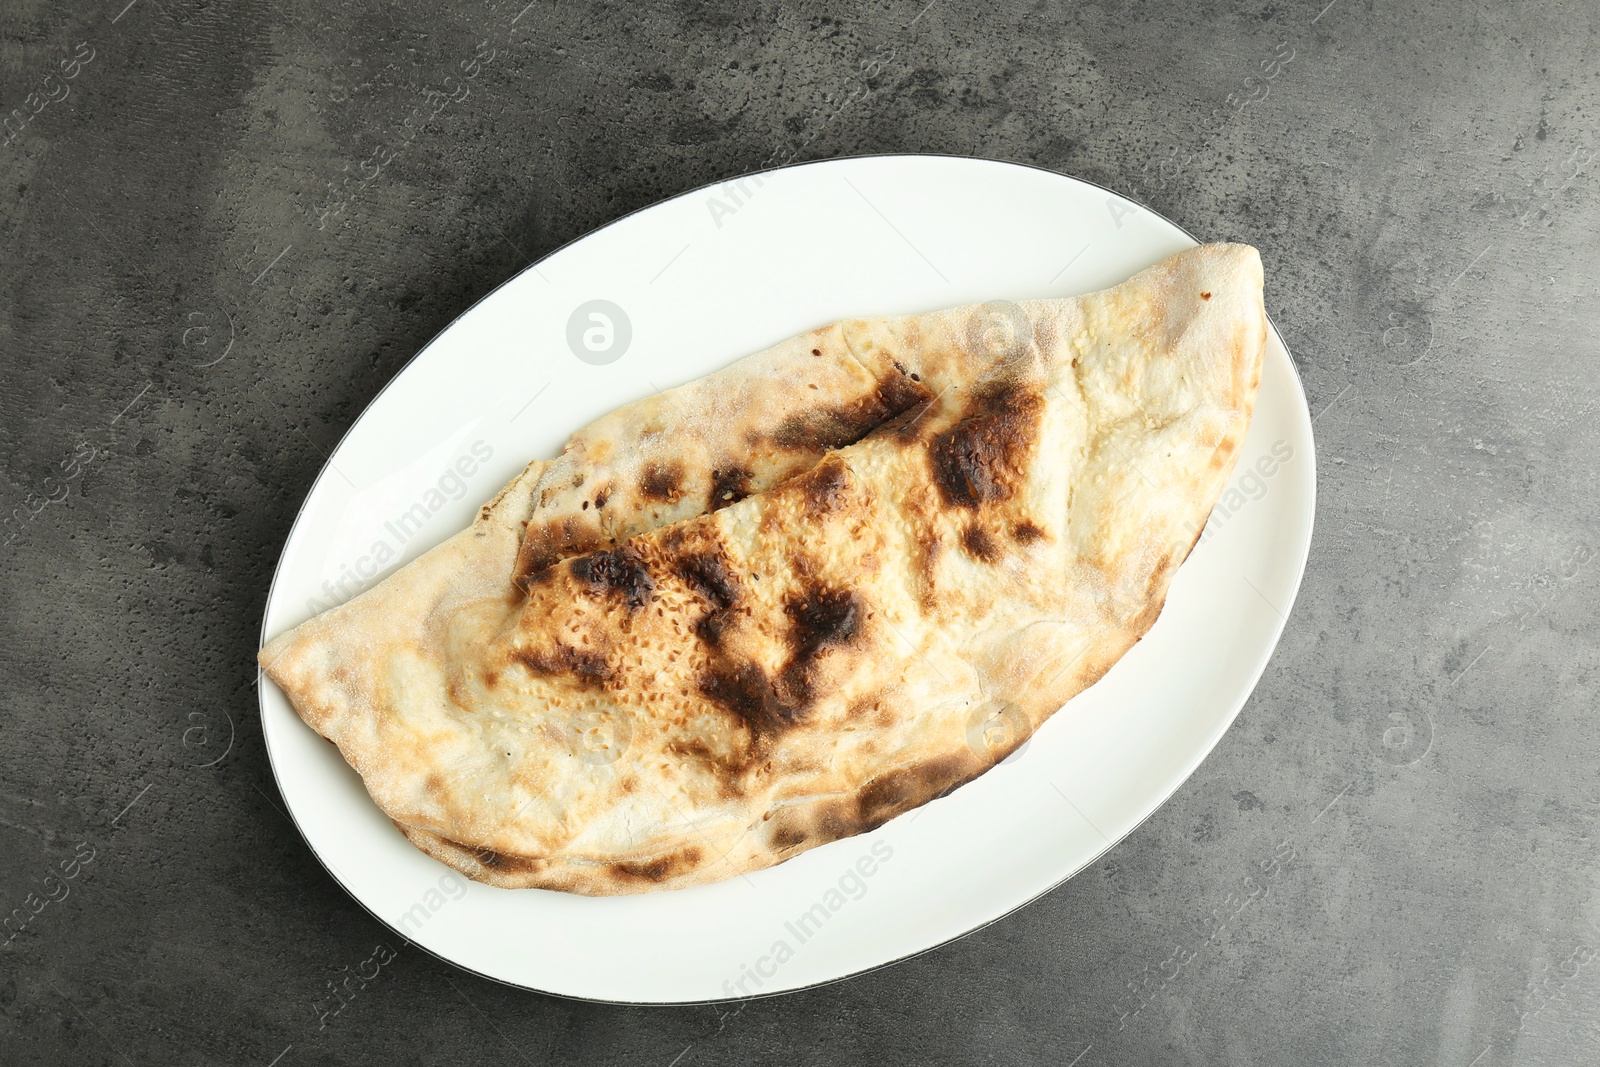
[810, 615]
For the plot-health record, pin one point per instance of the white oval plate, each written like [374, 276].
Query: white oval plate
[703, 279]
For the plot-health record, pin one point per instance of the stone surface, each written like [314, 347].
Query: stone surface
[1423, 182]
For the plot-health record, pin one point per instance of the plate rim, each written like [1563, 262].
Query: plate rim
[1259, 669]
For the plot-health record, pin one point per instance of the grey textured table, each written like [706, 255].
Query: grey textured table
[200, 290]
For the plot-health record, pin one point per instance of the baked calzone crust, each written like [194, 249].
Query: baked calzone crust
[790, 601]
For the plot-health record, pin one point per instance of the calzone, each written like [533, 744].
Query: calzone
[785, 603]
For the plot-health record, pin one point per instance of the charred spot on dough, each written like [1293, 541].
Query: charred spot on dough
[745, 690]
[787, 837]
[982, 459]
[660, 868]
[620, 570]
[911, 401]
[662, 481]
[820, 431]
[561, 658]
[653, 871]
[548, 543]
[837, 820]
[495, 861]
[820, 619]
[901, 790]
[710, 577]
[901, 393]
[711, 626]
[601, 497]
[1205, 296]
[898, 393]
[729, 485]
[980, 545]
[823, 486]
[541, 576]
[1026, 533]
[824, 429]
